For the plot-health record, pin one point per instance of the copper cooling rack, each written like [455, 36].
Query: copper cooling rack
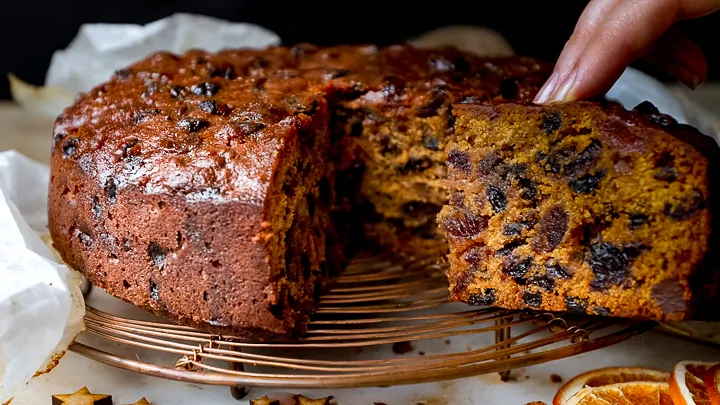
[386, 322]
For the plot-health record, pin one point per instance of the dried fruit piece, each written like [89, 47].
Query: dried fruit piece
[553, 226]
[532, 299]
[518, 268]
[609, 264]
[551, 122]
[464, 224]
[637, 220]
[69, 147]
[636, 393]
[712, 384]
[157, 254]
[496, 197]
[556, 270]
[482, 299]
[193, 124]
[459, 161]
[209, 106]
[606, 377]
[207, 89]
[576, 304]
[513, 229]
[688, 381]
[686, 207]
[587, 183]
[431, 142]
[546, 283]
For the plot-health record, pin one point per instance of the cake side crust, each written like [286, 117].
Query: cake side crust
[192, 262]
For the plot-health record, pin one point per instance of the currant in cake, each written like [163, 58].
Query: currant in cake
[582, 207]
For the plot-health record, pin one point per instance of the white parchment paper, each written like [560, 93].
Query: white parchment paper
[41, 307]
[99, 50]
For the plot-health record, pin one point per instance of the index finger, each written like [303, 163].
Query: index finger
[628, 31]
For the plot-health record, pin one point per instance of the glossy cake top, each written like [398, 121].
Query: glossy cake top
[209, 126]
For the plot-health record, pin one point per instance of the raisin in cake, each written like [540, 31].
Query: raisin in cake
[583, 207]
[223, 190]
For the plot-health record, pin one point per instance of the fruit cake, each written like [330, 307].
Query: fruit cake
[582, 207]
[223, 190]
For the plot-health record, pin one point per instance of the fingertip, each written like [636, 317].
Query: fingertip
[546, 90]
[685, 75]
[697, 82]
[565, 89]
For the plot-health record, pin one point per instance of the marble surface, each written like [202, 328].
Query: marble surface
[31, 136]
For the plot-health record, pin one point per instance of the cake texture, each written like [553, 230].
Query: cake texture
[582, 207]
[223, 190]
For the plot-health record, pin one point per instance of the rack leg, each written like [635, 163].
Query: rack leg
[502, 334]
[238, 391]
[85, 287]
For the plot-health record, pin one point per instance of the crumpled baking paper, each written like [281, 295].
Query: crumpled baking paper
[41, 306]
[99, 50]
[634, 87]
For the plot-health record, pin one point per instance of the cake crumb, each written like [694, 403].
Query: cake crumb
[402, 347]
[536, 403]
[556, 378]
[447, 342]
[510, 215]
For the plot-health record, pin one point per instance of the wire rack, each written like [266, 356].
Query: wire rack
[387, 321]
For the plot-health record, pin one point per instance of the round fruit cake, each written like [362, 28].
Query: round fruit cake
[223, 190]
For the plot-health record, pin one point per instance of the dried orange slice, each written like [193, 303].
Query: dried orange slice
[629, 393]
[608, 376]
[712, 384]
[687, 384]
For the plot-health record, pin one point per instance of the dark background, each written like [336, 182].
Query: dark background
[33, 30]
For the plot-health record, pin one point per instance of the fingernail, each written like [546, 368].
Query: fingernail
[697, 82]
[546, 89]
[564, 88]
[684, 74]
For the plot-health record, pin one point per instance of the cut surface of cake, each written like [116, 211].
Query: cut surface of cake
[582, 207]
[223, 190]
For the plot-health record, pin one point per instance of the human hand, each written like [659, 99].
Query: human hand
[611, 34]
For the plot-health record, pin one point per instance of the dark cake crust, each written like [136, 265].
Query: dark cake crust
[175, 184]
[583, 207]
